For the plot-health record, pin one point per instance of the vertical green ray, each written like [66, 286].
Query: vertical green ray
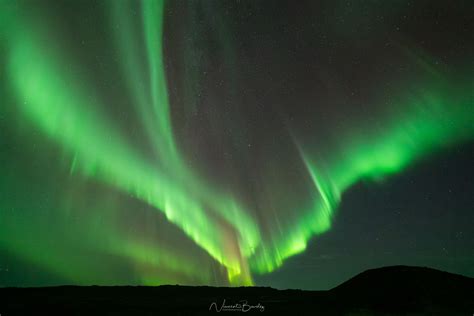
[421, 123]
[53, 96]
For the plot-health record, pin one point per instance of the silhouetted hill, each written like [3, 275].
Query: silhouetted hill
[395, 290]
[403, 288]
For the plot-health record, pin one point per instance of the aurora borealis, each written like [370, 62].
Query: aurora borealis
[208, 142]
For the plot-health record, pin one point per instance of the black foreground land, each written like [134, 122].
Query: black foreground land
[397, 290]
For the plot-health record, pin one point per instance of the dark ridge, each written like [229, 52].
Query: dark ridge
[397, 290]
[417, 277]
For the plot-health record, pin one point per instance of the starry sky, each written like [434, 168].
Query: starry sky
[273, 143]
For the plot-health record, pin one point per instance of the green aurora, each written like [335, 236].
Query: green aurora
[50, 93]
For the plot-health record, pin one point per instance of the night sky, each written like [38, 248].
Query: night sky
[290, 144]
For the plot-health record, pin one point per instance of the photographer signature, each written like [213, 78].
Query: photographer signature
[241, 306]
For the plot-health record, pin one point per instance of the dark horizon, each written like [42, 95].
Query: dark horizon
[389, 290]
